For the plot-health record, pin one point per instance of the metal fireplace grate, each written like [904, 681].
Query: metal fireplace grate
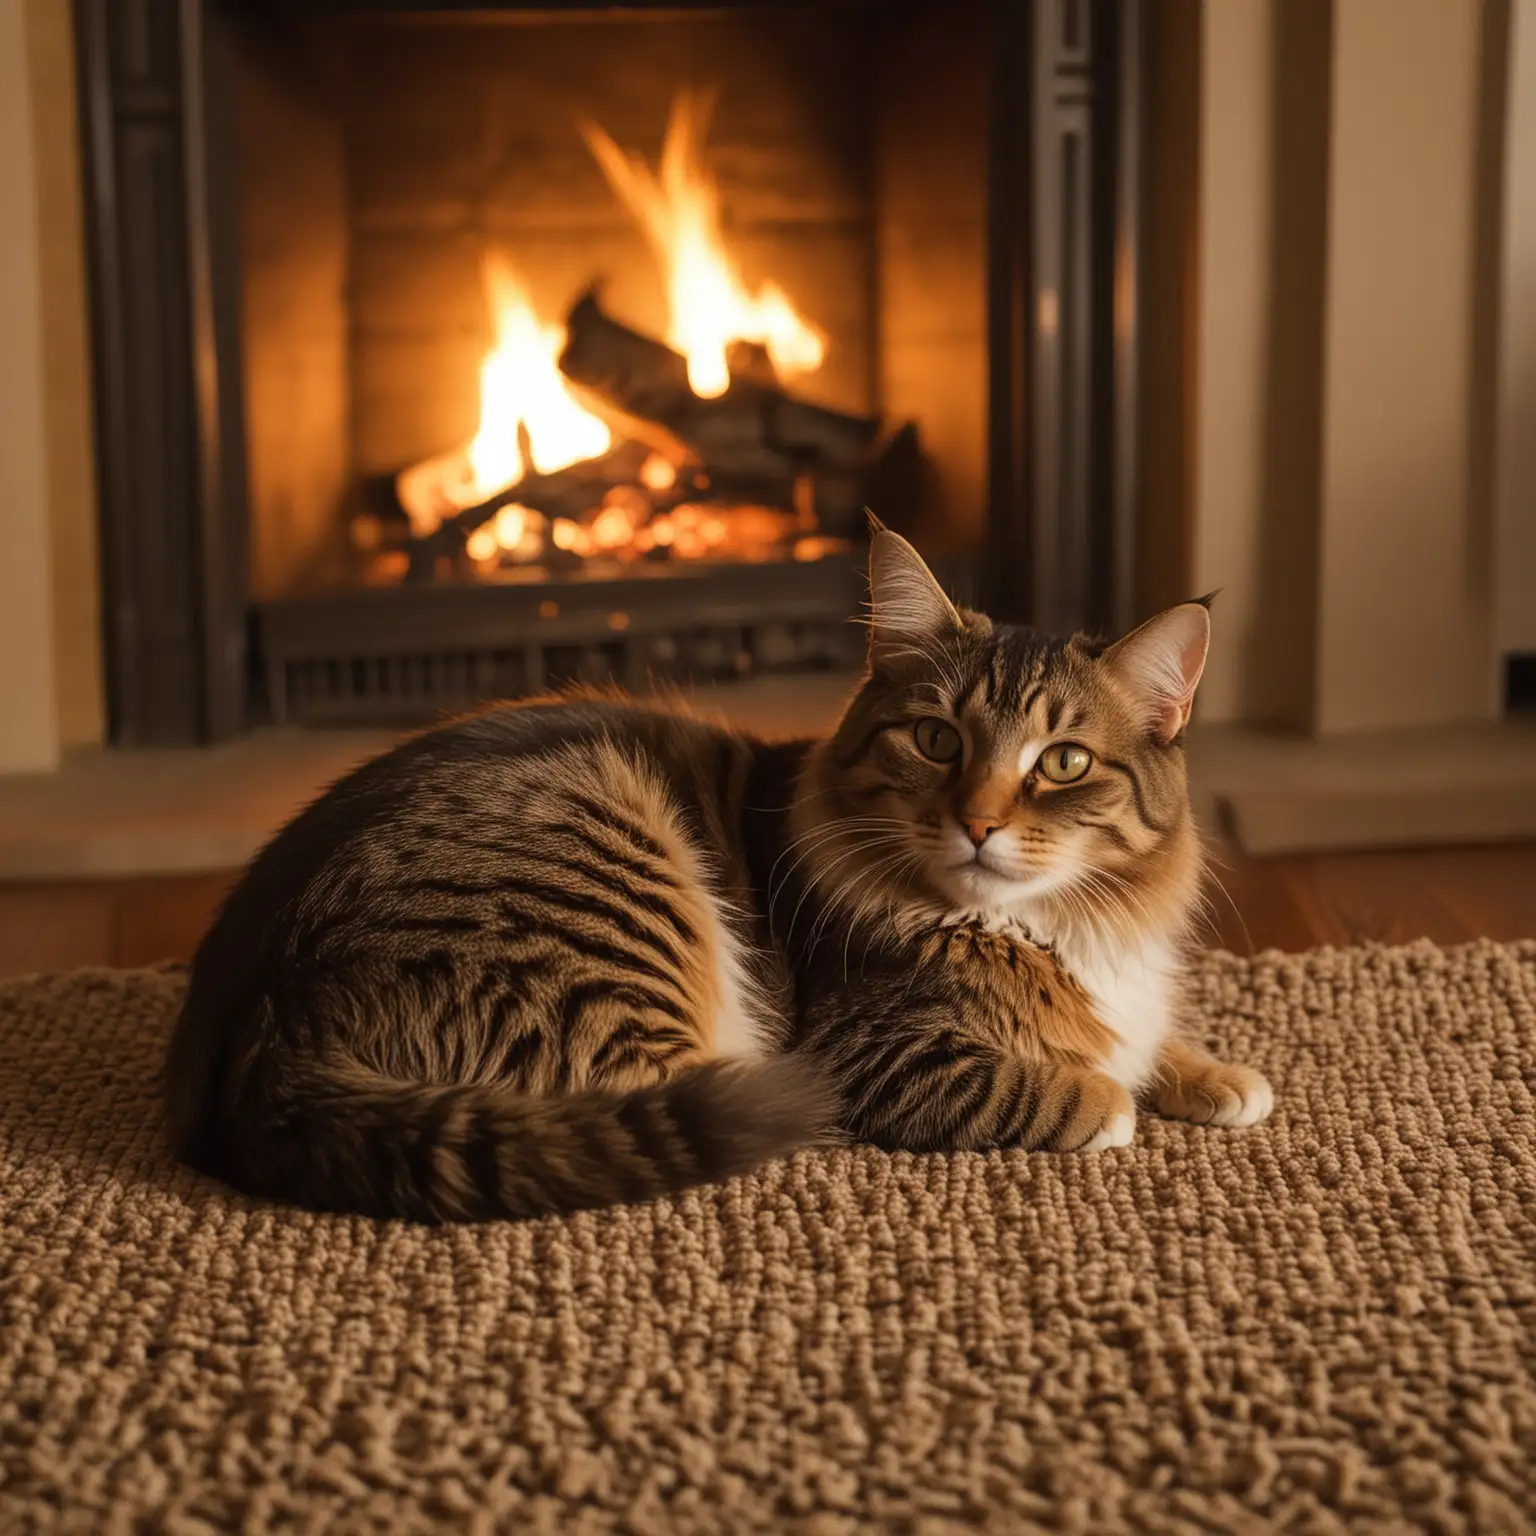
[410, 654]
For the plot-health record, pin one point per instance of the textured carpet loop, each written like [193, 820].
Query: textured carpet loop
[1325, 1324]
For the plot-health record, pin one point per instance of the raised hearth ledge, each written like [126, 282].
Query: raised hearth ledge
[164, 812]
[191, 810]
[1425, 788]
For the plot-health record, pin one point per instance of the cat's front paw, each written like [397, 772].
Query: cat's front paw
[1215, 1093]
[1096, 1113]
[1118, 1131]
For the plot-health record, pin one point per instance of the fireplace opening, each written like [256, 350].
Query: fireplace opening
[528, 345]
[587, 314]
[598, 448]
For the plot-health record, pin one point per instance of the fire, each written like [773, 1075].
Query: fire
[655, 499]
[524, 394]
[679, 207]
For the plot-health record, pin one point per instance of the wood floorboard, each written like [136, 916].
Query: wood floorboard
[1376, 898]
[1288, 903]
[1253, 905]
[1492, 890]
[167, 918]
[55, 927]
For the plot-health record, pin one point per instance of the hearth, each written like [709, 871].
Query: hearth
[447, 353]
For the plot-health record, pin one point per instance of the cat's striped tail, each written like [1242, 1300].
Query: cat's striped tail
[349, 1139]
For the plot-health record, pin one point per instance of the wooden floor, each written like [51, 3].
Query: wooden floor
[1448, 895]
[1283, 903]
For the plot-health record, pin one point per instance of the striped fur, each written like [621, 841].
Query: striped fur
[580, 951]
[971, 934]
[501, 971]
[965, 1038]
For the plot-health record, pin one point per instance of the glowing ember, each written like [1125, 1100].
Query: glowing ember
[565, 534]
[510, 526]
[612, 528]
[658, 474]
[679, 206]
[521, 383]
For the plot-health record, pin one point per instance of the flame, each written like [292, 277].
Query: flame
[523, 395]
[679, 207]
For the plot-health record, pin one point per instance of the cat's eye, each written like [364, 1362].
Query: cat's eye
[1065, 763]
[937, 740]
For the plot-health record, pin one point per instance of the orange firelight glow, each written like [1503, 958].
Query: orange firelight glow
[679, 207]
[521, 383]
[533, 422]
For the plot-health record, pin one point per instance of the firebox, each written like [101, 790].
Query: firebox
[447, 353]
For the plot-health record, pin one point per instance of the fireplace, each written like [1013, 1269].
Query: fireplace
[451, 353]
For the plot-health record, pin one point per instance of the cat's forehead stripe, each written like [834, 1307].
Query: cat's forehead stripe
[1005, 670]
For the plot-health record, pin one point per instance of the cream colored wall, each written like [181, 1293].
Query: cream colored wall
[50, 623]
[1515, 536]
[67, 424]
[1233, 254]
[29, 735]
[1333, 491]
[1404, 600]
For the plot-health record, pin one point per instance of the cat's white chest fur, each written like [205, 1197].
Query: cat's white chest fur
[1134, 989]
[1134, 992]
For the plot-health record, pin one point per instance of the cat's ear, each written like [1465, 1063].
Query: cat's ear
[907, 606]
[1160, 664]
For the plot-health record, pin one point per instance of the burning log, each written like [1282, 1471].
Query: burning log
[754, 428]
[804, 467]
[717, 457]
[571, 492]
[562, 495]
[567, 494]
[581, 492]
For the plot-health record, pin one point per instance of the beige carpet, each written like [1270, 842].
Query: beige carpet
[1326, 1324]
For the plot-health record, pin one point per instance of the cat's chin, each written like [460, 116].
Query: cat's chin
[975, 887]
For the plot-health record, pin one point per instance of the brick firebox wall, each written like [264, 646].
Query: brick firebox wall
[851, 166]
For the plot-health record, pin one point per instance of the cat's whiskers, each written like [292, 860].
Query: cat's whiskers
[1113, 917]
[824, 831]
[1078, 922]
[872, 876]
[836, 902]
[903, 861]
[1112, 883]
[1210, 907]
[821, 876]
[813, 841]
[1158, 919]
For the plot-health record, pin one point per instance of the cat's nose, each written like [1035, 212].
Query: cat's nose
[981, 828]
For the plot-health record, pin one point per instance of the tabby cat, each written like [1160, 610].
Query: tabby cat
[582, 950]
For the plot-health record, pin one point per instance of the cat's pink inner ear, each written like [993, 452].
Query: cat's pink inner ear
[1160, 666]
[907, 606]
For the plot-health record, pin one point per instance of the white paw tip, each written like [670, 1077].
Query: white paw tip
[1117, 1133]
[1258, 1101]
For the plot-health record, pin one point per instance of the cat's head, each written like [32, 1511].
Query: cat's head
[997, 767]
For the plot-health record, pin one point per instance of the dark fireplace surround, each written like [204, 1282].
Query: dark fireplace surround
[1040, 530]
